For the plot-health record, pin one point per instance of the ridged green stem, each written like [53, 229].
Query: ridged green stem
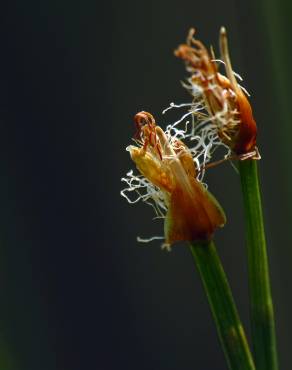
[229, 327]
[261, 305]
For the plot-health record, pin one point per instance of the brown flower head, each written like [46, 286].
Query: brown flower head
[225, 102]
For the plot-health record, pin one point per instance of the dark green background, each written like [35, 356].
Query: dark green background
[77, 291]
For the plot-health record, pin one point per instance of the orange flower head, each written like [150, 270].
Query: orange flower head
[169, 178]
[224, 100]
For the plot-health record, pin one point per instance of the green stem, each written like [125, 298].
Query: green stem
[261, 305]
[229, 327]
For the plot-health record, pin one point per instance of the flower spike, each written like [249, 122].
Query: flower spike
[167, 165]
[224, 100]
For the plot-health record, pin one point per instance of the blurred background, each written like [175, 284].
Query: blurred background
[77, 290]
